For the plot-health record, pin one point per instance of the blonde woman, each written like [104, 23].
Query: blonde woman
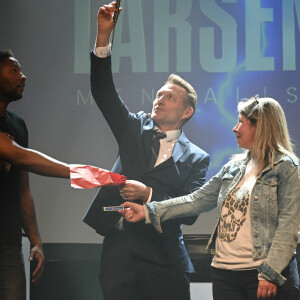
[258, 198]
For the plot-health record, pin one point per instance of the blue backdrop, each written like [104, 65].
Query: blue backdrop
[227, 49]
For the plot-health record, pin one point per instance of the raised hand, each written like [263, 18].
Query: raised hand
[105, 23]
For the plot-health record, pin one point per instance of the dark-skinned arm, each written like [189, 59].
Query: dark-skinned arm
[31, 160]
[30, 227]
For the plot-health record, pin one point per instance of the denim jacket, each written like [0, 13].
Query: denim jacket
[274, 210]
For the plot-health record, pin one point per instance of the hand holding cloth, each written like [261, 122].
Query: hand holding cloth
[88, 177]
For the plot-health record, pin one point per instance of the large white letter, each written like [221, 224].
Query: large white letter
[288, 33]
[163, 21]
[228, 27]
[135, 48]
[255, 17]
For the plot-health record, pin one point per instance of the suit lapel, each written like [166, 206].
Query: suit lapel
[180, 147]
[147, 137]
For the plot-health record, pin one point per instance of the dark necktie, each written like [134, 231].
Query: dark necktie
[155, 147]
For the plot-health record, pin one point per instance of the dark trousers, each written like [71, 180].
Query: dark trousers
[12, 273]
[128, 277]
[242, 285]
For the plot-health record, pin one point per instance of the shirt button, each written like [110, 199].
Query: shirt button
[255, 217]
[255, 198]
[259, 253]
[256, 235]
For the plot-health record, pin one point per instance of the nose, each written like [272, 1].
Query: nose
[23, 76]
[160, 99]
[234, 129]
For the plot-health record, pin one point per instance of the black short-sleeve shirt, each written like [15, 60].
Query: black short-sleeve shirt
[10, 207]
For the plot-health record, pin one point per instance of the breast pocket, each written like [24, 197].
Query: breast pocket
[270, 188]
[226, 182]
[227, 179]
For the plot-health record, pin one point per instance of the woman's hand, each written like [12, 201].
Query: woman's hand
[266, 290]
[134, 213]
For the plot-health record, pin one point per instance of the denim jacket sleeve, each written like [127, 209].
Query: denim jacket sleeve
[286, 236]
[202, 200]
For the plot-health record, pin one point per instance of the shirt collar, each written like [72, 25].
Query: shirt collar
[171, 134]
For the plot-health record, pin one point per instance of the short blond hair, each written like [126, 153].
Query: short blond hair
[272, 135]
[191, 95]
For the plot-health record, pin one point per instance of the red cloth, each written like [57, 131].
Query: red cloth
[88, 177]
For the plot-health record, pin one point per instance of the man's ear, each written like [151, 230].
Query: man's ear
[188, 112]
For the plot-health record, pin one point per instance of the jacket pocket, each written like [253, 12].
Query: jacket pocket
[227, 180]
[270, 188]
[227, 176]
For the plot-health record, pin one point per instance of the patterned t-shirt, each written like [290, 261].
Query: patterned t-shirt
[234, 242]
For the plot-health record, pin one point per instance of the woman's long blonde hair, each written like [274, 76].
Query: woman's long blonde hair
[272, 135]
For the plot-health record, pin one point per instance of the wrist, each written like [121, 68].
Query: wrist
[40, 246]
[261, 276]
[146, 194]
[102, 39]
[36, 243]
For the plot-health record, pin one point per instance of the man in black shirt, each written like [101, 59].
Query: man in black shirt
[16, 203]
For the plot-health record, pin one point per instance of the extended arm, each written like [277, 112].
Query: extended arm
[134, 190]
[195, 181]
[204, 199]
[31, 160]
[103, 89]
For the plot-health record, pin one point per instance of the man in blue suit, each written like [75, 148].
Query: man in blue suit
[137, 262]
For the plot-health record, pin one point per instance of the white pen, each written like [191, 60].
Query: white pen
[114, 208]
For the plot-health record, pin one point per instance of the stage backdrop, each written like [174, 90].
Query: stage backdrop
[227, 49]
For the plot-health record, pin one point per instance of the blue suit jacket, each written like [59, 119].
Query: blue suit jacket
[181, 174]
